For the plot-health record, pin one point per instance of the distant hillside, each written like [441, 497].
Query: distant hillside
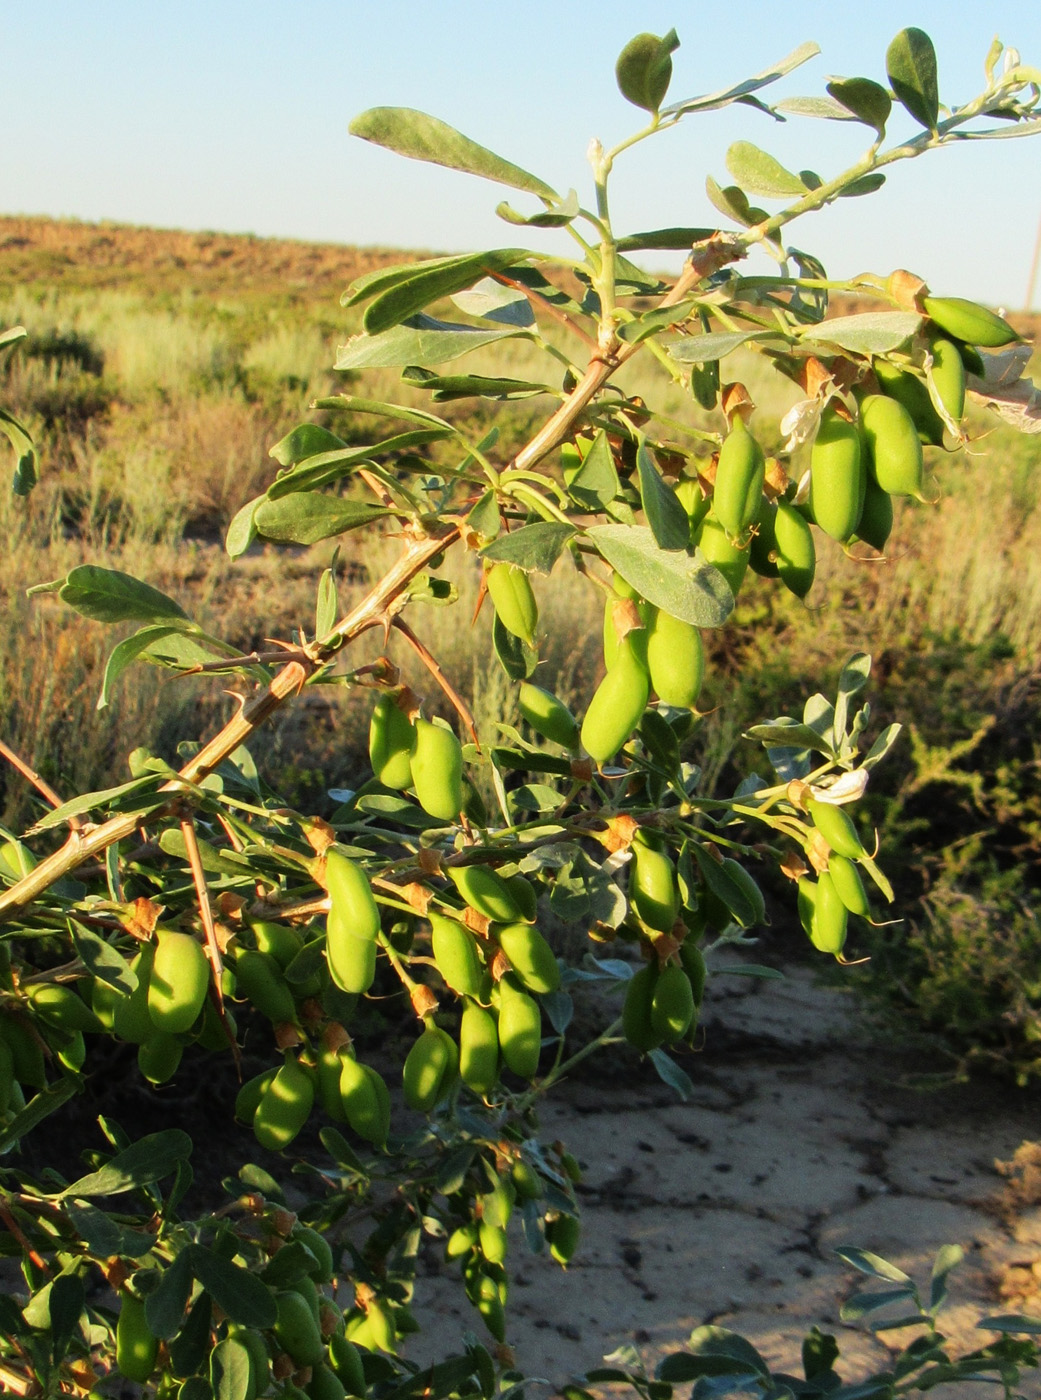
[48, 250]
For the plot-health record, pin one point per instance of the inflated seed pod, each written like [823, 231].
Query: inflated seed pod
[525, 1181]
[159, 1056]
[971, 359]
[616, 706]
[430, 1068]
[259, 1360]
[366, 1101]
[913, 393]
[520, 1030]
[693, 960]
[136, 1348]
[437, 771]
[130, 1018]
[722, 553]
[876, 519]
[796, 554]
[284, 1108]
[296, 1330]
[675, 659]
[329, 1065]
[515, 606]
[352, 961]
[968, 321]
[345, 1360]
[178, 982]
[478, 1049]
[807, 903]
[390, 744]
[455, 953]
[489, 1306]
[848, 884]
[672, 1004]
[837, 476]
[693, 500]
[486, 891]
[60, 1006]
[547, 715]
[247, 1100]
[322, 1272]
[325, 1384]
[530, 956]
[739, 480]
[637, 1026]
[894, 448]
[836, 826]
[259, 980]
[948, 373]
[636, 636]
[523, 892]
[762, 551]
[350, 894]
[828, 930]
[562, 1236]
[462, 1241]
[278, 941]
[492, 1242]
[652, 886]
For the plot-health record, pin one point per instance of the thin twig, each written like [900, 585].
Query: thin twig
[16, 1384]
[431, 663]
[16, 1231]
[539, 302]
[41, 785]
[191, 845]
[378, 489]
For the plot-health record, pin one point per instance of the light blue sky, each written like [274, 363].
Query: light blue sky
[233, 116]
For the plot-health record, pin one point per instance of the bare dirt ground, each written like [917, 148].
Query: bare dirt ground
[800, 1137]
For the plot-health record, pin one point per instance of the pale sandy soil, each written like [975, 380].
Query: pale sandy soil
[800, 1137]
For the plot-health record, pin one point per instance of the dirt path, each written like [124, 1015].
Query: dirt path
[728, 1208]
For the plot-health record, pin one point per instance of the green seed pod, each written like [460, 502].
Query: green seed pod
[177, 986]
[159, 1056]
[876, 519]
[247, 1100]
[894, 449]
[720, 551]
[489, 1306]
[26, 1052]
[616, 707]
[796, 555]
[515, 605]
[60, 1006]
[848, 884]
[739, 480]
[497, 1204]
[493, 1244]
[259, 1360]
[675, 659]
[636, 636]
[912, 392]
[530, 956]
[526, 1182]
[520, 1030]
[329, 1066]
[430, 1068]
[562, 1236]
[693, 960]
[390, 744]
[762, 551]
[968, 321]
[836, 826]
[259, 980]
[305, 1286]
[437, 771]
[672, 1004]
[352, 961]
[637, 1026]
[807, 903]
[548, 716]
[345, 1360]
[284, 1108]
[478, 1049]
[462, 1241]
[948, 372]
[837, 476]
[751, 890]
[828, 931]
[350, 894]
[693, 500]
[320, 1248]
[523, 892]
[971, 359]
[325, 1385]
[278, 941]
[296, 1330]
[136, 1348]
[486, 891]
[455, 954]
[652, 887]
[130, 1019]
[366, 1101]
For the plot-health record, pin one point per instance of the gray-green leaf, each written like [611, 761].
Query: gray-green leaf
[422, 137]
[421, 340]
[911, 69]
[866, 100]
[109, 595]
[644, 69]
[687, 589]
[762, 174]
[309, 516]
[873, 333]
[666, 517]
[533, 548]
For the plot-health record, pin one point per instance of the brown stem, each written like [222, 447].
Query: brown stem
[431, 663]
[41, 785]
[191, 845]
[16, 1231]
[540, 303]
